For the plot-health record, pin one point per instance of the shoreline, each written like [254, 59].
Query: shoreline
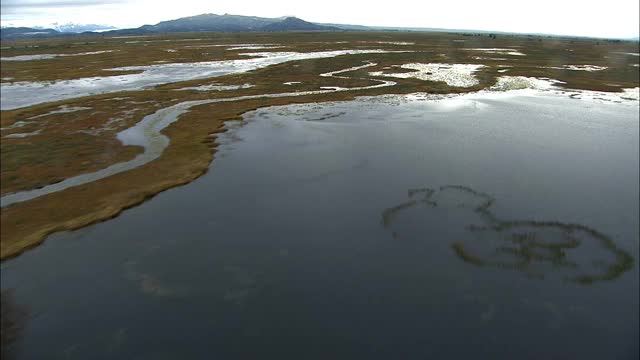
[106, 198]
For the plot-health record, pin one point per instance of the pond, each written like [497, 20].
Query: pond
[476, 226]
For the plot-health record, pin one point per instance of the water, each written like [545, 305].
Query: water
[330, 231]
[21, 94]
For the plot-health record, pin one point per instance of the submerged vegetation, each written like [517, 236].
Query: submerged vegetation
[48, 142]
[14, 319]
[522, 244]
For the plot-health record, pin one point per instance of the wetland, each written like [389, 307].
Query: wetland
[366, 194]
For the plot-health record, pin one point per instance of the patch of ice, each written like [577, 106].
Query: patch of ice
[333, 73]
[510, 83]
[255, 47]
[62, 109]
[22, 135]
[458, 75]
[589, 68]
[395, 42]
[488, 58]
[627, 53]
[50, 56]
[501, 51]
[171, 50]
[224, 45]
[18, 124]
[585, 67]
[291, 83]
[506, 83]
[140, 102]
[629, 94]
[108, 126]
[214, 87]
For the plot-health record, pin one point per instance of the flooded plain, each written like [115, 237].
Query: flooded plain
[17, 95]
[488, 225]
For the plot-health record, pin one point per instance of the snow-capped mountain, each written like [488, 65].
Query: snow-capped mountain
[76, 28]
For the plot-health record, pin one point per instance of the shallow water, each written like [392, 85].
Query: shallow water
[329, 231]
[50, 56]
[21, 94]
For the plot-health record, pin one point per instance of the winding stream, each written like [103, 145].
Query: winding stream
[148, 134]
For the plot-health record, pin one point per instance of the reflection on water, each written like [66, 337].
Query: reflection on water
[521, 245]
[148, 283]
[14, 318]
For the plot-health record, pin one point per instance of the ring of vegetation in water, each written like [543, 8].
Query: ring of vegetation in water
[523, 245]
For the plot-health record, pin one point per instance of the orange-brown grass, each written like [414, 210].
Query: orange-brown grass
[67, 143]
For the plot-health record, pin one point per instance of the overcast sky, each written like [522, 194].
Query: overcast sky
[611, 18]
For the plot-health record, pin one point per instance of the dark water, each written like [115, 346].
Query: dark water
[473, 227]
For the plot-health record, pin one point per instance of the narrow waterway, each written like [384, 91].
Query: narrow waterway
[148, 134]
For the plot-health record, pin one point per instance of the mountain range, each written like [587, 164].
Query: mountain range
[203, 22]
[227, 22]
[208, 22]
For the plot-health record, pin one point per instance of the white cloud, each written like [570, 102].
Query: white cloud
[614, 18]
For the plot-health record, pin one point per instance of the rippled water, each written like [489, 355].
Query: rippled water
[479, 226]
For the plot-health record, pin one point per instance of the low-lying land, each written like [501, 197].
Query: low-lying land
[48, 142]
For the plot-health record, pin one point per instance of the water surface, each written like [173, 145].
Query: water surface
[330, 231]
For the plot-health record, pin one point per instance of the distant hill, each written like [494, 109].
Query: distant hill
[293, 23]
[211, 22]
[20, 32]
[227, 22]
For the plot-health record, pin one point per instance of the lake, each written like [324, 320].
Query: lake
[488, 225]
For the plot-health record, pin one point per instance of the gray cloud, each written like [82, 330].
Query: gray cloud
[17, 5]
